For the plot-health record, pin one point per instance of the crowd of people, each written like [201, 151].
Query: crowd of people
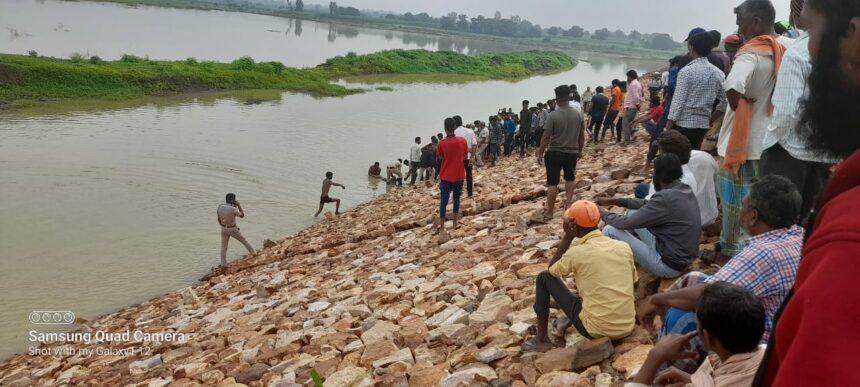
[782, 179]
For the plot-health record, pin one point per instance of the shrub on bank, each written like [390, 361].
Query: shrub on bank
[131, 76]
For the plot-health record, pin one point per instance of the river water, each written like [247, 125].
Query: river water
[107, 204]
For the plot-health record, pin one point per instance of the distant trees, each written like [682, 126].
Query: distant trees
[618, 34]
[335, 10]
[554, 31]
[662, 42]
[497, 15]
[601, 34]
[635, 35]
[575, 32]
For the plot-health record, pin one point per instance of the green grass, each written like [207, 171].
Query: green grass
[24, 78]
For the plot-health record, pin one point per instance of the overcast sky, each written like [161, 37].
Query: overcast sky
[675, 17]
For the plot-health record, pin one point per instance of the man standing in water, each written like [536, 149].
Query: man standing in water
[324, 198]
[227, 213]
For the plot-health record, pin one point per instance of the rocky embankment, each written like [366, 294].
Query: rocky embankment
[371, 298]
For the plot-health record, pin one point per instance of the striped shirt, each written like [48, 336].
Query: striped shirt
[767, 267]
[790, 88]
[699, 85]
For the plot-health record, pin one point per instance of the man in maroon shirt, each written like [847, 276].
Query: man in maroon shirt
[815, 342]
[452, 150]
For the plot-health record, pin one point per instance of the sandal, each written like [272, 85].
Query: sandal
[533, 345]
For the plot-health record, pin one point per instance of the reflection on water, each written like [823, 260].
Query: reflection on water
[60, 29]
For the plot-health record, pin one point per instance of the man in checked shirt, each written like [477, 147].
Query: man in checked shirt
[699, 84]
[767, 266]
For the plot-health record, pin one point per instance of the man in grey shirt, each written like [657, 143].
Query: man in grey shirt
[663, 232]
[563, 138]
[227, 213]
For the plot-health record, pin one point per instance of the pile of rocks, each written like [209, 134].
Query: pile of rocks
[372, 298]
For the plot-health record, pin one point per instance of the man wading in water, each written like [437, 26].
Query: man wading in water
[227, 213]
[324, 198]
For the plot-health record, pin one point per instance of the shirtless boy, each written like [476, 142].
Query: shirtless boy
[324, 198]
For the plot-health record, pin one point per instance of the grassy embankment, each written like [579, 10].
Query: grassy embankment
[25, 79]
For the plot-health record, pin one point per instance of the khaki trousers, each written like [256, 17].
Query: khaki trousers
[226, 233]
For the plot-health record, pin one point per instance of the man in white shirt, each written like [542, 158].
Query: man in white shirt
[414, 159]
[787, 151]
[587, 96]
[632, 103]
[471, 142]
[483, 142]
[227, 213]
[749, 85]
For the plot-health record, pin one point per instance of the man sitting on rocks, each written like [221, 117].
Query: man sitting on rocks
[767, 265]
[664, 230]
[604, 272]
[731, 324]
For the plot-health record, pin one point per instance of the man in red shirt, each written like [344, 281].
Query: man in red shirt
[650, 120]
[815, 341]
[452, 150]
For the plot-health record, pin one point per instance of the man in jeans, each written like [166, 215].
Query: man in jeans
[632, 102]
[664, 231]
[227, 213]
[453, 151]
[563, 138]
[604, 273]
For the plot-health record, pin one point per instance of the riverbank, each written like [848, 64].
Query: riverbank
[610, 46]
[369, 296]
[25, 80]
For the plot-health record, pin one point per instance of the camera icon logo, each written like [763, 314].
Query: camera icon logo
[51, 317]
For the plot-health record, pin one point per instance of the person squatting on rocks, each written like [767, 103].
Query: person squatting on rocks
[324, 198]
[604, 273]
[227, 213]
[563, 138]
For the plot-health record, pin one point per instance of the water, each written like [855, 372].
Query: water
[109, 204]
[60, 29]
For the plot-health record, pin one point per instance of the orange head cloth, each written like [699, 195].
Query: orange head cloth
[583, 213]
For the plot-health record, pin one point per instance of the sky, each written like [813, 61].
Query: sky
[676, 17]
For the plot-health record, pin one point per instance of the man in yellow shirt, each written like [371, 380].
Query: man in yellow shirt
[605, 275]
